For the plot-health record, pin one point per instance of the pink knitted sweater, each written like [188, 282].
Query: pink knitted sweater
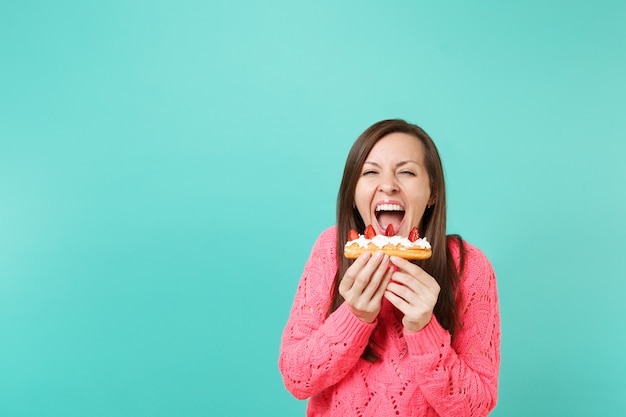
[419, 374]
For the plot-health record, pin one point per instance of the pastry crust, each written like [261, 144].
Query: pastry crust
[354, 251]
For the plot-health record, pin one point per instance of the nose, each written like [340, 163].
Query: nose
[388, 184]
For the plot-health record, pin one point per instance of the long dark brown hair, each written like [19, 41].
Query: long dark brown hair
[441, 266]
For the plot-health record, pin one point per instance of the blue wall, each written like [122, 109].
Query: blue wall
[166, 166]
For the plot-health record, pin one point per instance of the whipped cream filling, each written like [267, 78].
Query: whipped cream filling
[381, 241]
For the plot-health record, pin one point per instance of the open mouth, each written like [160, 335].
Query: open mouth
[389, 214]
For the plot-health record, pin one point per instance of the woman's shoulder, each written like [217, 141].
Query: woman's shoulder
[329, 233]
[323, 256]
[327, 239]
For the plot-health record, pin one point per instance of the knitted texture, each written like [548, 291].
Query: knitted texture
[419, 374]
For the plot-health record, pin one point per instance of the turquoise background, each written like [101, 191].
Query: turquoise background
[166, 166]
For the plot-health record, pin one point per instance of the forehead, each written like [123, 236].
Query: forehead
[396, 146]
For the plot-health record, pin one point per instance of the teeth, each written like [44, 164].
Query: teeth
[389, 207]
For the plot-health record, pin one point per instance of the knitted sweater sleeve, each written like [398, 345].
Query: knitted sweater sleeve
[460, 379]
[317, 352]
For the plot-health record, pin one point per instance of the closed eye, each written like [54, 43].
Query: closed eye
[410, 173]
[369, 172]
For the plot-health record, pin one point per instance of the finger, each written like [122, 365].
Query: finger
[422, 300]
[397, 301]
[414, 271]
[364, 276]
[404, 265]
[402, 291]
[380, 291]
[376, 279]
[351, 273]
[408, 280]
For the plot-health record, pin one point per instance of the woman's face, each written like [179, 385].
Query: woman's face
[394, 187]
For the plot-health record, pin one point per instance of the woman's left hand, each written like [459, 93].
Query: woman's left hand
[413, 292]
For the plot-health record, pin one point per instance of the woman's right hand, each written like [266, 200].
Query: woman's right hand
[364, 285]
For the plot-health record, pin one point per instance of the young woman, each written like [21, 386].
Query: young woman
[383, 336]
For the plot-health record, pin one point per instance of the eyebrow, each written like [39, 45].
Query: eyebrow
[399, 164]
